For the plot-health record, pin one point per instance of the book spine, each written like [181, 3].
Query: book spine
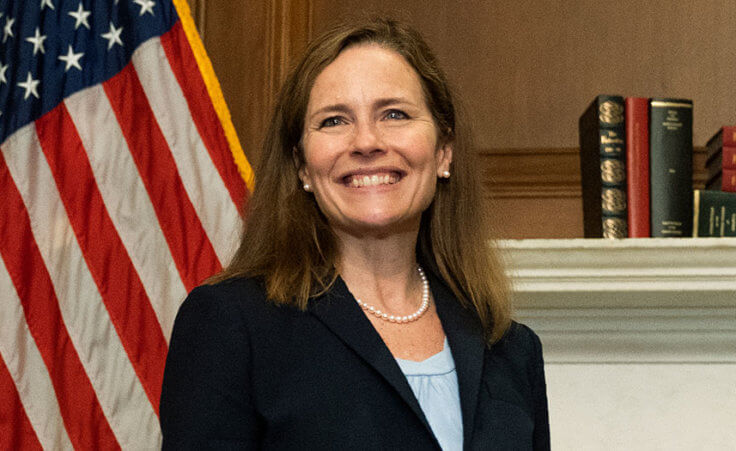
[714, 214]
[725, 158]
[728, 180]
[637, 166]
[724, 180]
[725, 136]
[603, 170]
[728, 157]
[728, 135]
[671, 167]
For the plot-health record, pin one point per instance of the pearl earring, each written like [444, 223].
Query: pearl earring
[307, 187]
[446, 174]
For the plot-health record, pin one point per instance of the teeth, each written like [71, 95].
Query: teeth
[372, 180]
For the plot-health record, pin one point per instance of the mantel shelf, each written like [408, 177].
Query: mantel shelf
[634, 300]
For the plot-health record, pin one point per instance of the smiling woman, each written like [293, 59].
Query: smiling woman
[370, 145]
[364, 308]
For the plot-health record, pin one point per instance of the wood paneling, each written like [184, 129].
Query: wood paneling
[538, 190]
[525, 69]
[251, 44]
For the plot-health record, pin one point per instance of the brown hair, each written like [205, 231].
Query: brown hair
[287, 241]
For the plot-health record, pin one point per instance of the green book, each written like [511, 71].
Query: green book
[714, 213]
[603, 168]
[671, 167]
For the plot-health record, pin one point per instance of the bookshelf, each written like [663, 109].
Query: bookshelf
[634, 300]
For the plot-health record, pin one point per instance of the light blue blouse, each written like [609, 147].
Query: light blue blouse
[434, 383]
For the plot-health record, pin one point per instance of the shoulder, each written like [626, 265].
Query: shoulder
[219, 308]
[223, 298]
[517, 355]
[514, 371]
[231, 292]
[520, 340]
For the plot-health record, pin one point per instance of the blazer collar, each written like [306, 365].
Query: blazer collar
[465, 335]
[339, 312]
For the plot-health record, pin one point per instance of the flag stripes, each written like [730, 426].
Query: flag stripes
[192, 250]
[184, 66]
[30, 318]
[130, 209]
[202, 179]
[116, 201]
[123, 295]
[16, 431]
[89, 324]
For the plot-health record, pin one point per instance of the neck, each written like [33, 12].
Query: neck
[382, 271]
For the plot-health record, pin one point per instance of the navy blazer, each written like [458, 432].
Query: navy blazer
[243, 373]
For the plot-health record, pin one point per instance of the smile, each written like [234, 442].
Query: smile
[359, 181]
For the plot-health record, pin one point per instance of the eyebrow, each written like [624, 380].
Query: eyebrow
[343, 108]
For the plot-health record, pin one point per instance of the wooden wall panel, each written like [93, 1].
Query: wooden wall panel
[251, 44]
[539, 193]
[525, 69]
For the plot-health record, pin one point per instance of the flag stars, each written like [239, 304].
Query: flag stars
[30, 85]
[146, 6]
[80, 15]
[71, 59]
[46, 3]
[113, 36]
[8, 29]
[37, 41]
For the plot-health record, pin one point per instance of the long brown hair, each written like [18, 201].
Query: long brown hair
[287, 241]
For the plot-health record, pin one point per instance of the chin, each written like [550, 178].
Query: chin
[380, 225]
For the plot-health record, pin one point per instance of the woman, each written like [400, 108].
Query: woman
[363, 308]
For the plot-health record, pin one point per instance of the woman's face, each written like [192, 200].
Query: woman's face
[371, 153]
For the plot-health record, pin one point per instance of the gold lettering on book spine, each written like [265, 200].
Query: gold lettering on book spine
[613, 200]
[612, 171]
[611, 112]
[614, 228]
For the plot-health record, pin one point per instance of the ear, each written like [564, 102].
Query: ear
[301, 169]
[444, 158]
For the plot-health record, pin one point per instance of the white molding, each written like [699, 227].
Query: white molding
[628, 301]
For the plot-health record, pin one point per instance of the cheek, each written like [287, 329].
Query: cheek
[420, 146]
[318, 156]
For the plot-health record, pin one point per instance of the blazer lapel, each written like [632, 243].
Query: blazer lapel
[339, 311]
[465, 335]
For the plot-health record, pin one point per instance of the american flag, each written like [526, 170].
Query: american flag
[120, 181]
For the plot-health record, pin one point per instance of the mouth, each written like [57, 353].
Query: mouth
[374, 179]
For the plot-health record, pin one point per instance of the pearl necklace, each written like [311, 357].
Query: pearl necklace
[407, 318]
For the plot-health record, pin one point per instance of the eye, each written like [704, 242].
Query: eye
[396, 114]
[332, 121]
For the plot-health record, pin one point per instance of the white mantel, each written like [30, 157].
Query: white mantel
[639, 338]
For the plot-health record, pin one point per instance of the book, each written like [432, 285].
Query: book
[671, 167]
[725, 136]
[603, 168]
[714, 213]
[724, 180]
[724, 158]
[637, 165]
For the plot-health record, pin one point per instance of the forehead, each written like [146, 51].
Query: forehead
[363, 72]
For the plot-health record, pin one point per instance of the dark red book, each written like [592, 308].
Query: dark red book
[724, 158]
[725, 136]
[723, 181]
[728, 157]
[637, 165]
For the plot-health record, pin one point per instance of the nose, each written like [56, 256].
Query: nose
[367, 139]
